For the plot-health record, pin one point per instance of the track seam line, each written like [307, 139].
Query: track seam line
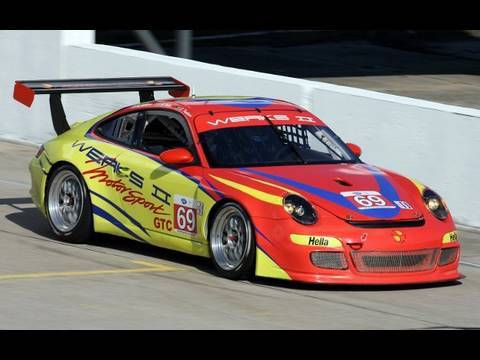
[470, 264]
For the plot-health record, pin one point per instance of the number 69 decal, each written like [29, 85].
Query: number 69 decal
[185, 218]
[185, 212]
[364, 200]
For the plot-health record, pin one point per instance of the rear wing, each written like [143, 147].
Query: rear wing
[25, 91]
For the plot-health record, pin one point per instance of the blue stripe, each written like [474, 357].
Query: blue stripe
[262, 235]
[218, 192]
[386, 189]
[245, 103]
[102, 213]
[124, 213]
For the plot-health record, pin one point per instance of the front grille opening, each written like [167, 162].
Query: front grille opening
[448, 256]
[387, 224]
[329, 260]
[395, 261]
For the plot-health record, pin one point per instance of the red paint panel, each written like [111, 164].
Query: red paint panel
[23, 94]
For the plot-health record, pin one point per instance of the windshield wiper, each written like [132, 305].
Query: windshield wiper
[282, 138]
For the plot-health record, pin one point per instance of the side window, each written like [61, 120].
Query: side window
[162, 132]
[121, 129]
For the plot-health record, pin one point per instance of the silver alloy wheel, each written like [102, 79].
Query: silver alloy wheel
[230, 238]
[65, 201]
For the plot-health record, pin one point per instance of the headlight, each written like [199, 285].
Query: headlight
[300, 209]
[435, 204]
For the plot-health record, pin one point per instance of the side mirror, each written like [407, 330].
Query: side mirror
[355, 149]
[176, 156]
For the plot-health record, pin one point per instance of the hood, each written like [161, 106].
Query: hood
[354, 192]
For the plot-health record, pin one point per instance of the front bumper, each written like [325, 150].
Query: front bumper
[438, 275]
[291, 259]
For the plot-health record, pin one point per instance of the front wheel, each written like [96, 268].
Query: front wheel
[232, 242]
[68, 206]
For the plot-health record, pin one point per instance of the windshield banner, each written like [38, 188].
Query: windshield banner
[208, 122]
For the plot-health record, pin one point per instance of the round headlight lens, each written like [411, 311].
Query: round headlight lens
[435, 204]
[300, 209]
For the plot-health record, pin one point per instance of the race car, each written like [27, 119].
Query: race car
[261, 186]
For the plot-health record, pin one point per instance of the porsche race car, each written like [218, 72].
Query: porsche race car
[261, 186]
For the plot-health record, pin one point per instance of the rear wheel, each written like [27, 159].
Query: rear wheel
[232, 242]
[68, 206]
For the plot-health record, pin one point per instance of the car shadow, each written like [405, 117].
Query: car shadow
[32, 220]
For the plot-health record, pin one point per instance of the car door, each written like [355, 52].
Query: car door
[101, 150]
[165, 200]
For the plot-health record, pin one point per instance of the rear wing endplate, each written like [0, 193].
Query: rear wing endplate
[25, 91]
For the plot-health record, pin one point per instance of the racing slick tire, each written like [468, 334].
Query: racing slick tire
[232, 242]
[68, 206]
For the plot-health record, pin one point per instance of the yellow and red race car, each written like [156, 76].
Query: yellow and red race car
[260, 186]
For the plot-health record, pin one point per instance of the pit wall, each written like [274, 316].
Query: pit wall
[434, 143]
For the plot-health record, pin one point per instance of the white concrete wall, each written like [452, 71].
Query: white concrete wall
[434, 143]
[26, 55]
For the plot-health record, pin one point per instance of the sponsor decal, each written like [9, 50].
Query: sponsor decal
[403, 205]
[368, 200]
[161, 195]
[450, 237]
[185, 209]
[254, 118]
[97, 156]
[399, 236]
[185, 212]
[131, 197]
[163, 224]
[136, 179]
[316, 241]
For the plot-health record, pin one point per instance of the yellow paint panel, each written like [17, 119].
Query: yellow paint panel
[103, 226]
[266, 267]
[260, 195]
[419, 185]
[275, 186]
[316, 241]
[450, 237]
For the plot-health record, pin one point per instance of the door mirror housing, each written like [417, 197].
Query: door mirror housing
[357, 150]
[176, 156]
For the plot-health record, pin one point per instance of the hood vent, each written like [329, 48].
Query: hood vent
[342, 182]
[387, 224]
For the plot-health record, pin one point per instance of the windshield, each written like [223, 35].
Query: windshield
[274, 145]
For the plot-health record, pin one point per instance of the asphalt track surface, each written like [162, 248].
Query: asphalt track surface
[116, 283]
